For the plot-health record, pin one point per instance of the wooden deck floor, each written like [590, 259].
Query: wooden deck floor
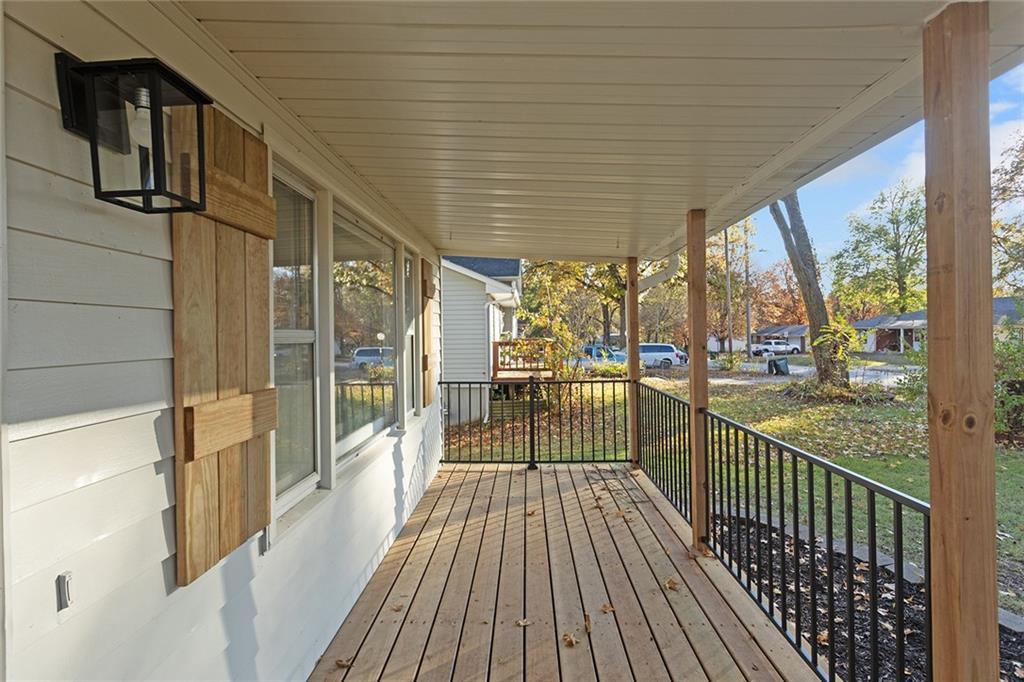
[570, 572]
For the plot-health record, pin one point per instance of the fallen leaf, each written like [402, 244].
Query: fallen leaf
[397, 607]
[587, 624]
[823, 637]
[531, 512]
[672, 584]
[607, 608]
[343, 663]
[570, 639]
[620, 513]
[523, 622]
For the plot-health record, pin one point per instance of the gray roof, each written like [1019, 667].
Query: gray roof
[783, 330]
[497, 268]
[1005, 309]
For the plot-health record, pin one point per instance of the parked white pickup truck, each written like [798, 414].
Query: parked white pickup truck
[776, 346]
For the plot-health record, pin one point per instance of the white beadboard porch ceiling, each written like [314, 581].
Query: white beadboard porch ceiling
[586, 130]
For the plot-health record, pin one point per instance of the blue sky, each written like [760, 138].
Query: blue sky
[828, 201]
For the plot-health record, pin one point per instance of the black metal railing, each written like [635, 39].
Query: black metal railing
[664, 444]
[359, 403]
[838, 561]
[535, 421]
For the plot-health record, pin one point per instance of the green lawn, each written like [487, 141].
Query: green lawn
[888, 443]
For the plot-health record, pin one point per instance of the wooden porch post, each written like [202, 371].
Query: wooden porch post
[633, 356]
[696, 287]
[961, 441]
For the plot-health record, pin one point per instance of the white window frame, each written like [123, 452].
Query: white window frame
[412, 333]
[354, 443]
[288, 498]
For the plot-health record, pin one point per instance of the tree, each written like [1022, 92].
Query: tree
[830, 368]
[1008, 220]
[884, 258]
[775, 296]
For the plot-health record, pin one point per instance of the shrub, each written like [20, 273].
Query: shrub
[380, 372]
[730, 361]
[1009, 389]
[609, 370]
[812, 391]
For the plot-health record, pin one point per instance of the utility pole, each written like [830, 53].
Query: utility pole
[746, 285]
[728, 293]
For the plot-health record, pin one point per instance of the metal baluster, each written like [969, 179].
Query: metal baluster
[746, 502]
[851, 649]
[812, 564]
[782, 538]
[873, 582]
[604, 435]
[593, 425]
[797, 597]
[830, 570]
[897, 532]
[533, 424]
[757, 520]
[771, 528]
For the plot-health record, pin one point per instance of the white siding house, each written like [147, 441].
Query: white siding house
[478, 310]
[88, 446]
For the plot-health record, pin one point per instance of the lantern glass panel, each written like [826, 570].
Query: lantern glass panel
[181, 145]
[123, 147]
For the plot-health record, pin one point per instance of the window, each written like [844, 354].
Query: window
[409, 369]
[364, 334]
[294, 338]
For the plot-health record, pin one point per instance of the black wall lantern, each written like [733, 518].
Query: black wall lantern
[144, 123]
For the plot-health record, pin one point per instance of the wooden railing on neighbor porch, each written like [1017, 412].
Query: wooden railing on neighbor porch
[520, 357]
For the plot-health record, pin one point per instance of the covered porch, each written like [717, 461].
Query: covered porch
[625, 546]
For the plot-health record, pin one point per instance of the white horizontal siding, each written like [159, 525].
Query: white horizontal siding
[57, 463]
[465, 321]
[87, 402]
[44, 334]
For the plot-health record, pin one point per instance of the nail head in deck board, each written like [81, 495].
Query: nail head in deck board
[959, 253]
[213, 426]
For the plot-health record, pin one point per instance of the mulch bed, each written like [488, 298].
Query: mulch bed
[814, 617]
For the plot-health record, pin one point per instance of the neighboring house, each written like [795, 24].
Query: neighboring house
[897, 333]
[796, 334]
[479, 309]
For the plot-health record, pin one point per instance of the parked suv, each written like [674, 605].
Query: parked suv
[373, 355]
[777, 346]
[662, 355]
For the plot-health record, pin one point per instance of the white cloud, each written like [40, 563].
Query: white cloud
[865, 165]
[997, 108]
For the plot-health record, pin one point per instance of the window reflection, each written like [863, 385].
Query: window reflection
[364, 333]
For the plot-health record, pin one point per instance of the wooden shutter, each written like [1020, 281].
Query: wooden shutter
[427, 320]
[224, 405]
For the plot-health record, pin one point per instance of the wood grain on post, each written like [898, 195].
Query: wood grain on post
[633, 356]
[961, 441]
[696, 286]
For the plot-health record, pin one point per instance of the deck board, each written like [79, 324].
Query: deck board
[490, 545]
